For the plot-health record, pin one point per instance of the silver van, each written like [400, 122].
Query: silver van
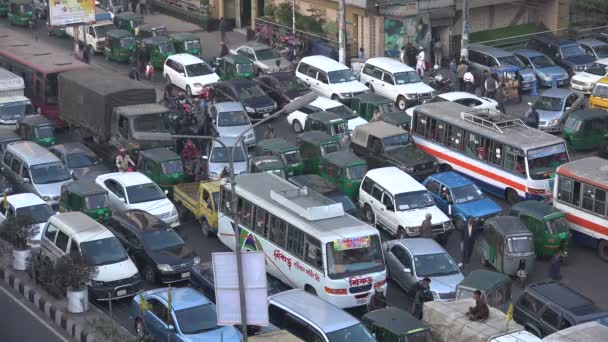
[487, 58]
[30, 167]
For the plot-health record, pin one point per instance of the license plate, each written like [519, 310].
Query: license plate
[185, 275]
[266, 115]
[121, 292]
[361, 301]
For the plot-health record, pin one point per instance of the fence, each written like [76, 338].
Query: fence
[302, 34]
[194, 11]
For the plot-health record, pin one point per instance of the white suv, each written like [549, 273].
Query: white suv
[396, 81]
[189, 73]
[396, 202]
[297, 119]
[329, 78]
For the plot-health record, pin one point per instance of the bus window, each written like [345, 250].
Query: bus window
[594, 199]
[472, 144]
[260, 221]
[51, 86]
[277, 230]
[312, 253]
[514, 160]
[564, 190]
[244, 210]
[421, 125]
[440, 133]
[38, 85]
[576, 195]
[295, 242]
[455, 137]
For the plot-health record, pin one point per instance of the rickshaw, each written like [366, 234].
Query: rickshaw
[345, 170]
[314, 146]
[186, 42]
[156, 50]
[288, 152]
[21, 12]
[3, 8]
[119, 46]
[161, 165]
[327, 122]
[509, 83]
[270, 164]
[86, 197]
[495, 287]
[366, 104]
[587, 130]
[547, 224]
[507, 245]
[144, 31]
[234, 67]
[36, 128]
[128, 21]
[395, 325]
[399, 119]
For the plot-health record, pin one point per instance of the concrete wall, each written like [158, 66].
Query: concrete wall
[495, 16]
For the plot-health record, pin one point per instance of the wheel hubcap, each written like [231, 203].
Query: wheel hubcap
[401, 104]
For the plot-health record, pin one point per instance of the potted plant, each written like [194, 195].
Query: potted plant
[74, 275]
[18, 231]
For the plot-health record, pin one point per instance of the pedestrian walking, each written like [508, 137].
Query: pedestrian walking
[204, 98]
[223, 50]
[269, 134]
[555, 265]
[482, 83]
[222, 27]
[468, 240]
[480, 311]
[422, 294]
[462, 69]
[377, 301]
[402, 56]
[491, 86]
[469, 82]
[134, 73]
[149, 72]
[420, 62]
[426, 228]
[532, 117]
[361, 54]
[438, 51]
[142, 7]
[410, 53]
[453, 70]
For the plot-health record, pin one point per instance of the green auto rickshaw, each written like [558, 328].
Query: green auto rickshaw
[36, 128]
[547, 224]
[314, 146]
[128, 21]
[587, 130]
[495, 287]
[345, 170]
[399, 119]
[366, 104]
[396, 325]
[161, 165]
[186, 42]
[120, 46]
[328, 122]
[144, 31]
[156, 50]
[3, 8]
[288, 152]
[234, 67]
[21, 12]
[87, 197]
[270, 164]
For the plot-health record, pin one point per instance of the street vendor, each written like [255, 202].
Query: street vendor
[480, 311]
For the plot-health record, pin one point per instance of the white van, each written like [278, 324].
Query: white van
[329, 78]
[76, 233]
[395, 201]
[28, 204]
[395, 80]
[297, 119]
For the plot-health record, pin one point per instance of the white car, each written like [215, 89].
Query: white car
[264, 58]
[463, 98]
[189, 73]
[230, 120]
[28, 204]
[585, 81]
[297, 119]
[395, 80]
[218, 158]
[134, 190]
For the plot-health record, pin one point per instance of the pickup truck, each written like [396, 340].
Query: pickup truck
[201, 199]
[93, 35]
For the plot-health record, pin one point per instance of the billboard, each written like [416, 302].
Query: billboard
[70, 12]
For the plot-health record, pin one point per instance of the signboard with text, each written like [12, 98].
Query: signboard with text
[70, 12]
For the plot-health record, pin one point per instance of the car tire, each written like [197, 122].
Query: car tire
[297, 127]
[140, 330]
[459, 224]
[205, 227]
[150, 275]
[512, 196]
[602, 250]
[401, 234]
[188, 91]
[401, 103]
[371, 87]
[370, 217]
[335, 97]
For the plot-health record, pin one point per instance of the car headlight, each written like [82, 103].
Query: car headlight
[448, 225]
[197, 260]
[411, 96]
[46, 198]
[165, 268]
[547, 78]
[435, 295]
[198, 85]
[554, 122]
[249, 110]
[407, 169]
[214, 175]
[345, 94]
[96, 283]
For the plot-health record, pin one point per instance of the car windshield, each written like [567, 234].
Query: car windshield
[511, 60]
[250, 92]
[520, 244]
[161, 239]
[355, 332]
[329, 148]
[542, 162]
[549, 103]
[49, 173]
[572, 123]
[557, 226]
[244, 68]
[541, 61]
[387, 107]
[144, 193]
[42, 132]
[343, 112]
[293, 84]
[15, 110]
[356, 171]
[237, 118]
[396, 140]
[171, 167]
[192, 45]
[341, 76]
[572, 50]
[600, 91]
[354, 256]
[153, 123]
[38, 213]
[601, 51]
[467, 193]
[266, 54]
[82, 159]
[435, 265]
[291, 157]
[127, 42]
[413, 200]
[101, 30]
[407, 77]
[97, 201]
[198, 69]
[103, 252]
[197, 319]
[597, 69]
[221, 155]
[166, 48]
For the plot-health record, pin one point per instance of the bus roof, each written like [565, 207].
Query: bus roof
[36, 54]
[525, 137]
[591, 170]
[257, 188]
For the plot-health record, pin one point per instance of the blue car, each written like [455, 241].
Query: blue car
[460, 198]
[545, 69]
[193, 317]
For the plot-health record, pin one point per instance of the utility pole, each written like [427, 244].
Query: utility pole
[237, 12]
[293, 17]
[341, 33]
[464, 43]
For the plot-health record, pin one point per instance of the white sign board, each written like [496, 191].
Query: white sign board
[227, 300]
[68, 12]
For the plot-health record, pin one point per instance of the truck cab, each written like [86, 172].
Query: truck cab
[141, 127]
[201, 199]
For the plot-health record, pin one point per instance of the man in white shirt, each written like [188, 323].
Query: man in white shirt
[469, 82]
[420, 61]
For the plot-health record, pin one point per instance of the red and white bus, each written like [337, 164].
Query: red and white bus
[39, 64]
[581, 188]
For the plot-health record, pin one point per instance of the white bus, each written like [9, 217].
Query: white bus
[498, 151]
[580, 191]
[308, 240]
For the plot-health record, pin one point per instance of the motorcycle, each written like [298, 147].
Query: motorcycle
[440, 84]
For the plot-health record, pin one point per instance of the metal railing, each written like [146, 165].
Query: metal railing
[286, 29]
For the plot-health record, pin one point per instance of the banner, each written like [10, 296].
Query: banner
[69, 12]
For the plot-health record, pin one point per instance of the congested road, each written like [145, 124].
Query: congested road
[582, 271]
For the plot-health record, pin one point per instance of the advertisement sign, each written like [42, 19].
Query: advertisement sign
[69, 12]
[352, 243]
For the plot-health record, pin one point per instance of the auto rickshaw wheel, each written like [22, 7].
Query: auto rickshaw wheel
[602, 250]
[512, 196]
[401, 233]
[401, 103]
[297, 127]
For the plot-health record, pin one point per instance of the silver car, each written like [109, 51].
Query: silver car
[265, 58]
[554, 106]
[218, 158]
[80, 161]
[230, 120]
[410, 260]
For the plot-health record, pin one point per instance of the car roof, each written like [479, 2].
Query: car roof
[551, 39]
[343, 158]
[140, 220]
[68, 148]
[556, 92]
[591, 42]
[80, 226]
[127, 178]
[451, 179]
[321, 313]
[565, 297]
[528, 52]
[255, 45]
[229, 106]
[389, 64]
[84, 187]
[494, 51]
[484, 280]
[394, 180]
[240, 83]
[159, 154]
[31, 152]
[283, 75]
[420, 246]
[186, 59]
[456, 95]
[379, 129]
[593, 170]
[228, 141]
[325, 63]
[535, 209]
[394, 319]
[322, 102]
[372, 98]
[24, 200]
[181, 297]
[33, 120]
[316, 137]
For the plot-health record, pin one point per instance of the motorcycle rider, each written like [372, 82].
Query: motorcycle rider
[123, 161]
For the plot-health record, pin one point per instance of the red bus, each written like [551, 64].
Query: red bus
[38, 63]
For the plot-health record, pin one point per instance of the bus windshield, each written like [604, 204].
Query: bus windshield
[542, 162]
[354, 256]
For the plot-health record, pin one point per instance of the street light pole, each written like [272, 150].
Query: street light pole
[464, 43]
[341, 33]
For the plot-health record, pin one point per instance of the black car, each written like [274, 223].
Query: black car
[566, 53]
[257, 103]
[320, 185]
[158, 251]
[283, 87]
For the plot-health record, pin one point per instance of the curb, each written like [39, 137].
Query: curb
[60, 318]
